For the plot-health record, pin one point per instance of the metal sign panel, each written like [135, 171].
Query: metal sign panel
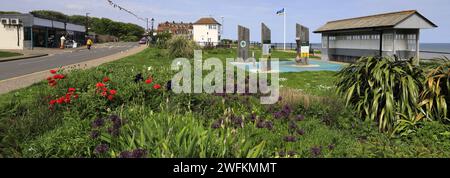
[302, 34]
[243, 42]
[265, 34]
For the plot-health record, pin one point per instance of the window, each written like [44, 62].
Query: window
[399, 36]
[212, 27]
[27, 33]
[411, 41]
[324, 42]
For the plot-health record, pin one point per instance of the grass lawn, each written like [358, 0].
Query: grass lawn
[4, 54]
[127, 115]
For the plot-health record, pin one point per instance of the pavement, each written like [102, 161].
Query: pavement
[22, 73]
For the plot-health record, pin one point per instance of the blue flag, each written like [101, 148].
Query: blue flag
[280, 12]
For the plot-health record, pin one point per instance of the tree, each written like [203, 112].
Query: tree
[103, 26]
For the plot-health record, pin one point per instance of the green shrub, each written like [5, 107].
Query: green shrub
[384, 90]
[180, 46]
[162, 39]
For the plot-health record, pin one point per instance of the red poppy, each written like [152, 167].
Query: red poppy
[58, 76]
[105, 79]
[67, 100]
[71, 90]
[110, 97]
[60, 100]
[148, 81]
[157, 86]
[49, 78]
[53, 71]
[52, 102]
[100, 85]
[112, 92]
[104, 93]
[75, 96]
[104, 89]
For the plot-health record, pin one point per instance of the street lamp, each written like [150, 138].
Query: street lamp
[87, 23]
[153, 21]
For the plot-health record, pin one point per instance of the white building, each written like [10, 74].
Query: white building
[389, 34]
[207, 32]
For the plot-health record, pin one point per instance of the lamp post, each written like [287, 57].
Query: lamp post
[87, 24]
[153, 21]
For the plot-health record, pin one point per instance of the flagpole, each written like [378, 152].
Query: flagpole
[284, 35]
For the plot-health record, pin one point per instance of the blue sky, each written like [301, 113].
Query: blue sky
[250, 13]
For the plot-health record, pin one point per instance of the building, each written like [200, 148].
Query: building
[389, 34]
[207, 32]
[24, 31]
[177, 29]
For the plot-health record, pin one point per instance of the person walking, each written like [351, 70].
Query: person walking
[63, 40]
[89, 43]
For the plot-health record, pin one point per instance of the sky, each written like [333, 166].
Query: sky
[249, 13]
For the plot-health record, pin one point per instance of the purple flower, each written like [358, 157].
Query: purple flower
[331, 146]
[280, 98]
[113, 131]
[253, 117]
[98, 123]
[300, 117]
[95, 134]
[216, 124]
[300, 132]
[269, 125]
[116, 120]
[287, 110]
[282, 153]
[126, 154]
[277, 115]
[261, 124]
[316, 151]
[292, 153]
[237, 121]
[290, 139]
[100, 149]
[139, 153]
[292, 125]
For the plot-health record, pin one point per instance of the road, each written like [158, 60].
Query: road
[22, 67]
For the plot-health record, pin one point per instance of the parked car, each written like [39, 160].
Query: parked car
[143, 41]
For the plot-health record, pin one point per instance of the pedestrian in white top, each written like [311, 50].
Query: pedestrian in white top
[63, 39]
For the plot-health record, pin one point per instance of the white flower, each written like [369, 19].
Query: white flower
[178, 63]
[149, 68]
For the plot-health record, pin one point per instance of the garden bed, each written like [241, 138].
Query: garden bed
[112, 111]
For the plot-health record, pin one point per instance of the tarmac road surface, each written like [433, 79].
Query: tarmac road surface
[22, 67]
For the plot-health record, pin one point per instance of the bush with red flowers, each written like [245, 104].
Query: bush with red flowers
[53, 80]
[66, 99]
[105, 92]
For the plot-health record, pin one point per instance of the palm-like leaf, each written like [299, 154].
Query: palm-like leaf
[381, 88]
